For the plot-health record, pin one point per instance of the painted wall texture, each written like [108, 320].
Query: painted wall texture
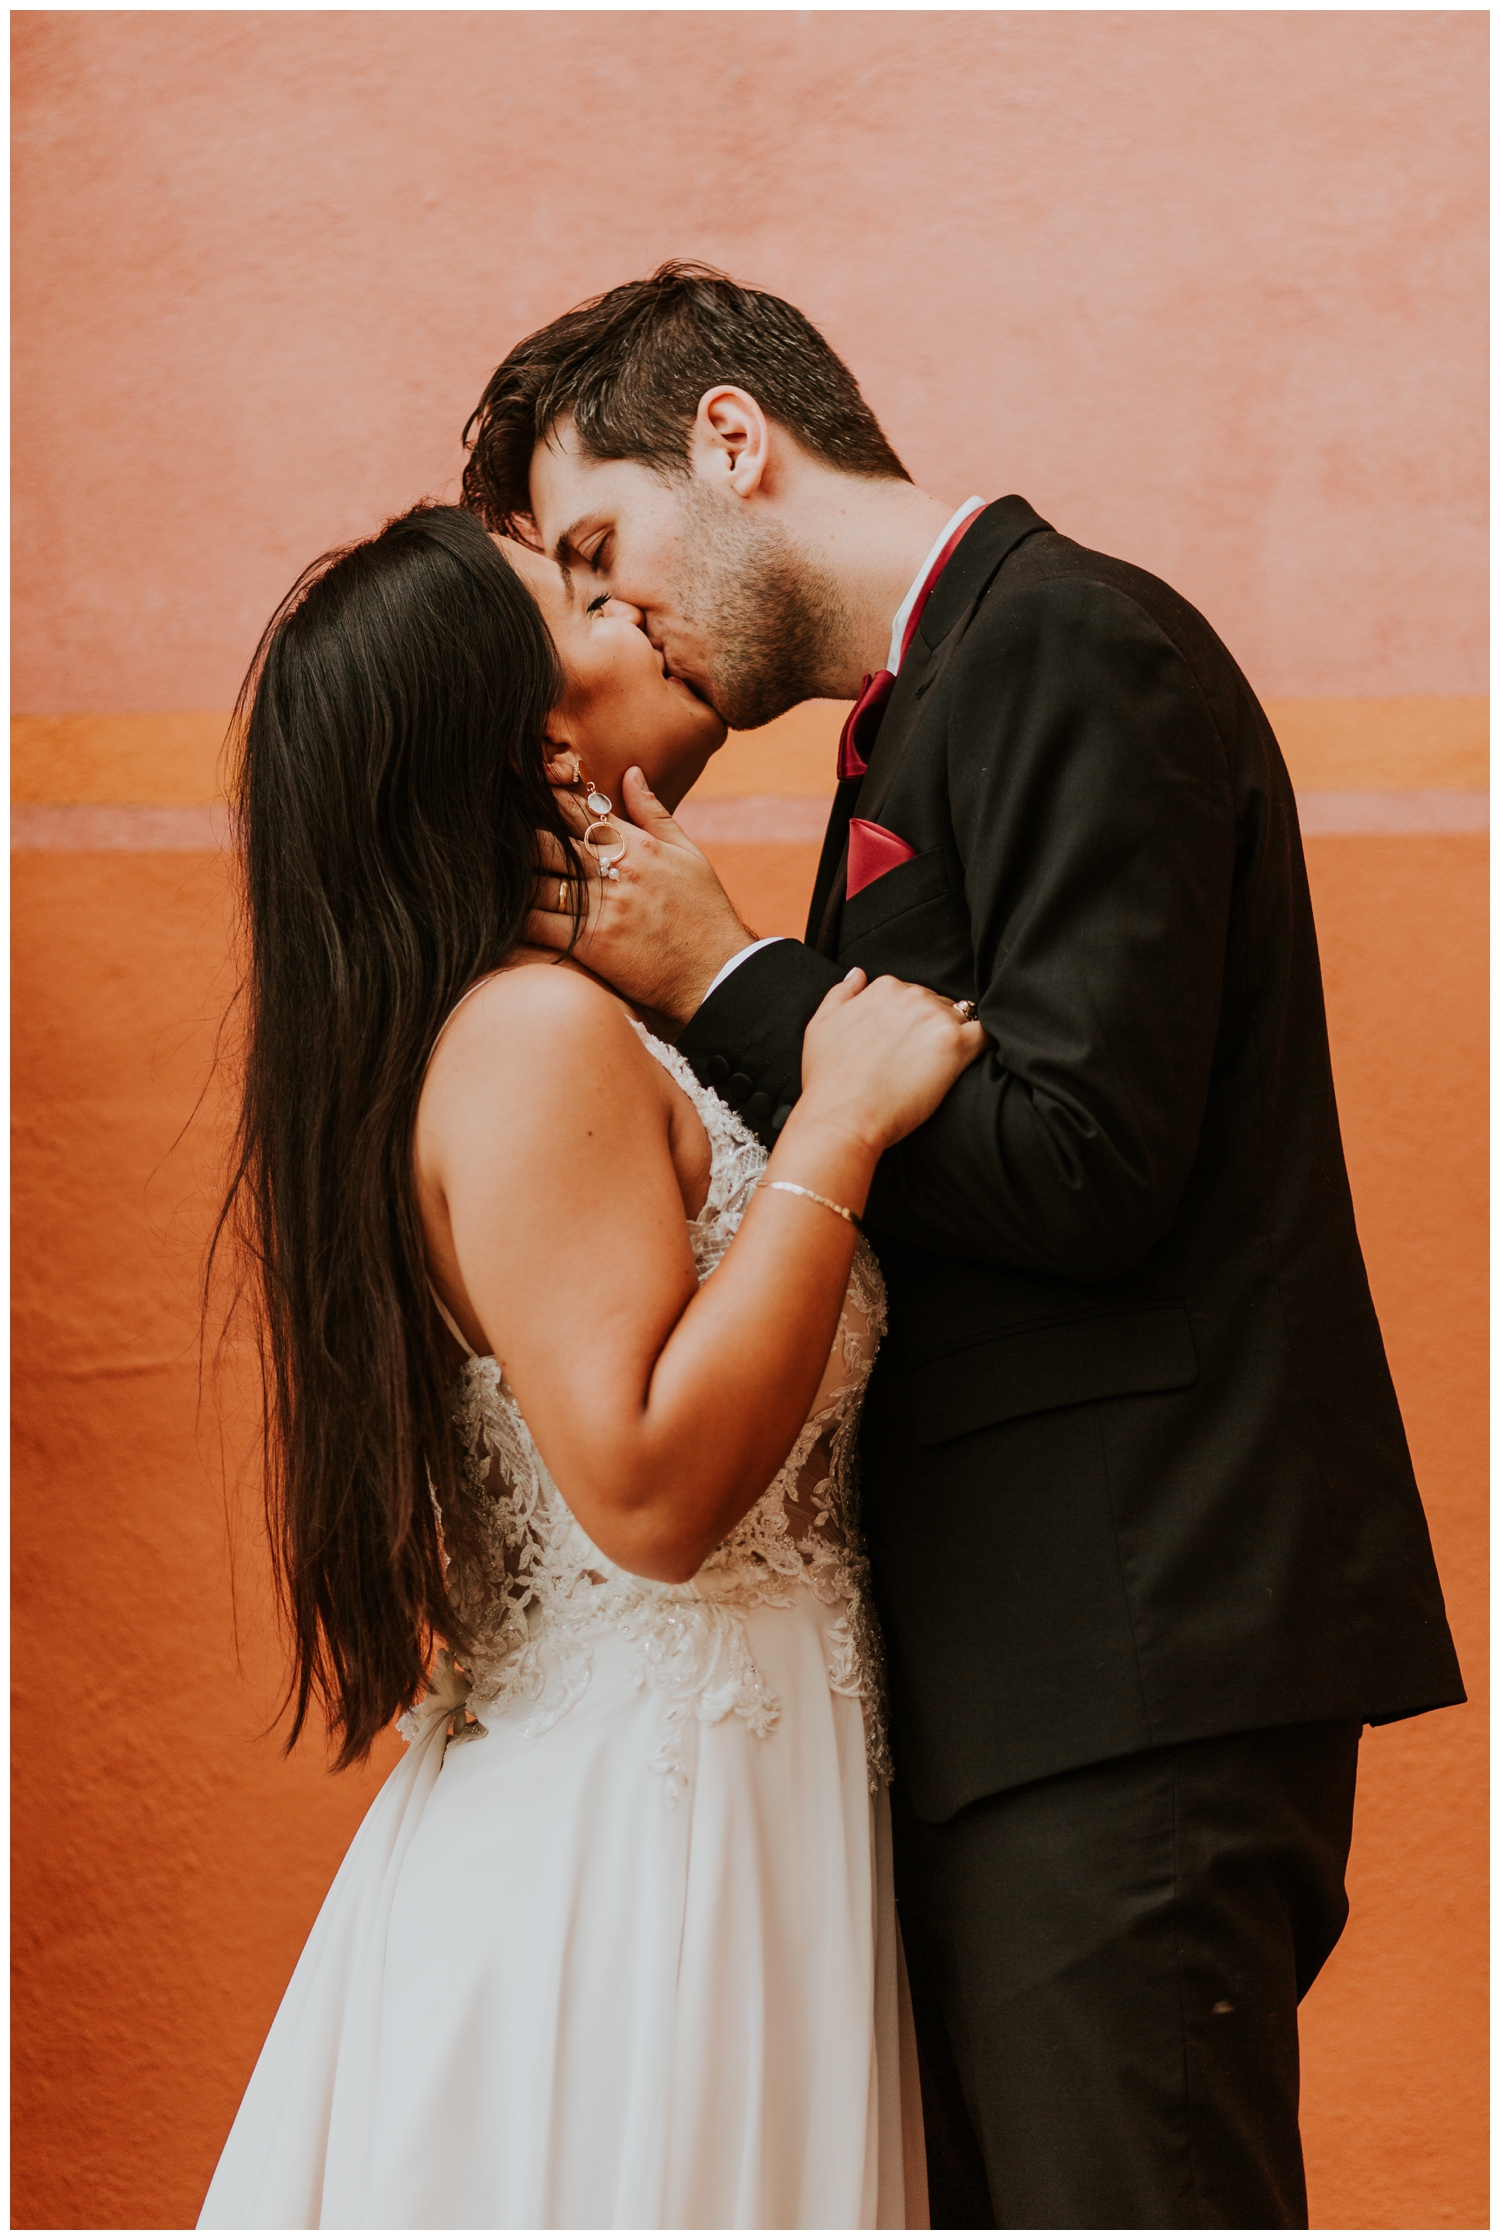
[1206, 287]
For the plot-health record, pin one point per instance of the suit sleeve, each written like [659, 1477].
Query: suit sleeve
[1092, 814]
[746, 1039]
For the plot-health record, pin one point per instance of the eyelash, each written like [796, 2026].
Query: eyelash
[595, 604]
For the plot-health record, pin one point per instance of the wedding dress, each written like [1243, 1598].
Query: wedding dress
[615, 1945]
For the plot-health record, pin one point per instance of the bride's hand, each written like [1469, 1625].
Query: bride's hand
[878, 1059]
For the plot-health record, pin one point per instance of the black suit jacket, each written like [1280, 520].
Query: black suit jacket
[1134, 1468]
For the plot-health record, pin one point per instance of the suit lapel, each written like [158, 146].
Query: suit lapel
[950, 610]
[864, 795]
[919, 671]
[994, 537]
[958, 591]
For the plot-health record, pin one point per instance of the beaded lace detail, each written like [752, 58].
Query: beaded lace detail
[542, 1593]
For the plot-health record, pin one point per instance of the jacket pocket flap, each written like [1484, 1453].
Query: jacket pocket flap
[1053, 1365]
[920, 879]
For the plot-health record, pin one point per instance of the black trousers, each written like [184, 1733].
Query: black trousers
[1105, 1971]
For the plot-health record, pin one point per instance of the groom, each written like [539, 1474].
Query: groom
[1146, 1542]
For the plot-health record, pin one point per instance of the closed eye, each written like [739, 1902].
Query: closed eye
[594, 605]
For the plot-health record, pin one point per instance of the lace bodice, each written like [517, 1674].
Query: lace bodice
[543, 1593]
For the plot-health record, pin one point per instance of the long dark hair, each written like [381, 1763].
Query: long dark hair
[390, 780]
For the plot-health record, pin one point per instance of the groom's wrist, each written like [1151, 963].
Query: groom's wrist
[711, 958]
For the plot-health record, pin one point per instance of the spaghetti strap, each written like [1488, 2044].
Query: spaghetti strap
[472, 990]
[437, 1301]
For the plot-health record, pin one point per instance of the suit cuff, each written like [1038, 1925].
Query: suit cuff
[737, 960]
[745, 1040]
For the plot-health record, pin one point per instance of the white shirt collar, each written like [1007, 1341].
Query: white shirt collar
[898, 627]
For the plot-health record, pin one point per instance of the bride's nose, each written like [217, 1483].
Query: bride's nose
[621, 610]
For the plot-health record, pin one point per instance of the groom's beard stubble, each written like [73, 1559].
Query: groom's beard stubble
[777, 626]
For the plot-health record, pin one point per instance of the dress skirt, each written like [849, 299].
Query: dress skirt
[554, 1988]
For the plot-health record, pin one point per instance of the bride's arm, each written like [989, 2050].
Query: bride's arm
[662, 1409]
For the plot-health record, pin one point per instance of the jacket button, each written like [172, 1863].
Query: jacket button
[758, 1108]
[779, 1118]
[715, 1071]
[736, 1089]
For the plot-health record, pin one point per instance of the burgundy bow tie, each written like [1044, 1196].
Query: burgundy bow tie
[857, 739]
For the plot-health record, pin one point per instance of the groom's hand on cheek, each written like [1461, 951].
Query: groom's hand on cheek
[661, 930]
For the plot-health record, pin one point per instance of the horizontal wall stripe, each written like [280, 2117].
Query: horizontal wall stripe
[176, 758]
[1389, 746]
[1320, 810]
[203, 827]
[1413, 809]
[754, 816]
[86, 827]
[1432, 741]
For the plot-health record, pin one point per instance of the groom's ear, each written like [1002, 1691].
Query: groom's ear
[731, 441]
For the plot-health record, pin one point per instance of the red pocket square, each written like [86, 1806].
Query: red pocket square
[872, 853]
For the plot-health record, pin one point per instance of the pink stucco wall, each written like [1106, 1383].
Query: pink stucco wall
[1207, 287]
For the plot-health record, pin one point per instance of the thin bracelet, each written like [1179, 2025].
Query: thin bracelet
[796, 1190]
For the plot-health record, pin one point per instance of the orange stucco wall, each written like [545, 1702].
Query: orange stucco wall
[1206, 287]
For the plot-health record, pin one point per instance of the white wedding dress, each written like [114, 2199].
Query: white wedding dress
[628, 1957]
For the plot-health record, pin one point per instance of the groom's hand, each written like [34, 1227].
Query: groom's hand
[661, 930]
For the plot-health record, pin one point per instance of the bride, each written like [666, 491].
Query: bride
[562, 1380]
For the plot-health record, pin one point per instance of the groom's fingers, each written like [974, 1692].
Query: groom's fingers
[544, 929]
[552, 922]
[659, 929]
[549, 854]
[555, 890]
[643, 808]
[558, 879]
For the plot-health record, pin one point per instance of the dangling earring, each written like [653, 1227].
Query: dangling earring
[609, 848]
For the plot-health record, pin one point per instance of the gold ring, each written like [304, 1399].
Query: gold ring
[966, 1010]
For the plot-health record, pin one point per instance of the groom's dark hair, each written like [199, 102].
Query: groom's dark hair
[629, 367]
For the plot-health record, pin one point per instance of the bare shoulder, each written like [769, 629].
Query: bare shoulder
[549, 999]
[532, 1034]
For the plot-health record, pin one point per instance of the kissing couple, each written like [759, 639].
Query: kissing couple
[801, 1435]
